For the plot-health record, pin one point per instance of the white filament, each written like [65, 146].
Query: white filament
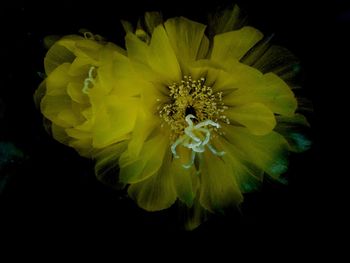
[191, 141]
[88, 80]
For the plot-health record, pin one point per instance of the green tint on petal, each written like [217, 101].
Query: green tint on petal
[278, 60]
[157, 192]
[294, 130]
[258, 119]
[219, 189]
[152, 20]
[59, 134]
[147, 163]
[186, 38]
[225, 21]
[56, 56]
[267, 152]
[234, 44]
[248, 176]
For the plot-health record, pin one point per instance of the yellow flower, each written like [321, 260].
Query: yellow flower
[186, 113]
[81, 95]
[207, 132]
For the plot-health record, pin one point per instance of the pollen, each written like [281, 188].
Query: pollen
[195, 98]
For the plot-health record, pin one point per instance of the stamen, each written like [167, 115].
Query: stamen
[190, 141]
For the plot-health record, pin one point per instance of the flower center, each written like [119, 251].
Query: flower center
[192, 113]
[89, 82]
[195, 98]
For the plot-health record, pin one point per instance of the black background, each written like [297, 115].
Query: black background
[53, 192]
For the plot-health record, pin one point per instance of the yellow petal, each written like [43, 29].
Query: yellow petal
[138, 54]
[267, 152]
[147, 163]
[234, 44]
[249, 177]
[182, 177]
[186, 37]
[74, 90]
[57, 81]
[114, 118]
[56, 56]
[144, 125]
[52, 106]
[268, 89]
[162, 58]
[157, 192]
[258, 119]
[219, 189]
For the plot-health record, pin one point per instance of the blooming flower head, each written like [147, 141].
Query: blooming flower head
[73, 96]
[190, 113]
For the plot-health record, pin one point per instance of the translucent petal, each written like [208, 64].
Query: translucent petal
[52, 106]
[147, 163]
[152, 20]
[186, 38]
[117, 77]
[255, 116]
[234, 44]
[182, 177]
[162, 58]
[59, 134]
[267, 152]
[39, 93]
[56, 56]
[138, 54]
[157, 192]
[219, 189]
[225, 20]
[106, 167]
[248, 176]
[295, 130]
[268, 89]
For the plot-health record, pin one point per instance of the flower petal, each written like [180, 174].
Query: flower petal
[114, 118]
[268, 152]
[162, 58]
[56, 56]
[157, 192]
[182, 177]
[148, 163]
[57, 81]
[234, 44]
[186, 37]
[258, 119]
[268, 89]
[219, 189]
